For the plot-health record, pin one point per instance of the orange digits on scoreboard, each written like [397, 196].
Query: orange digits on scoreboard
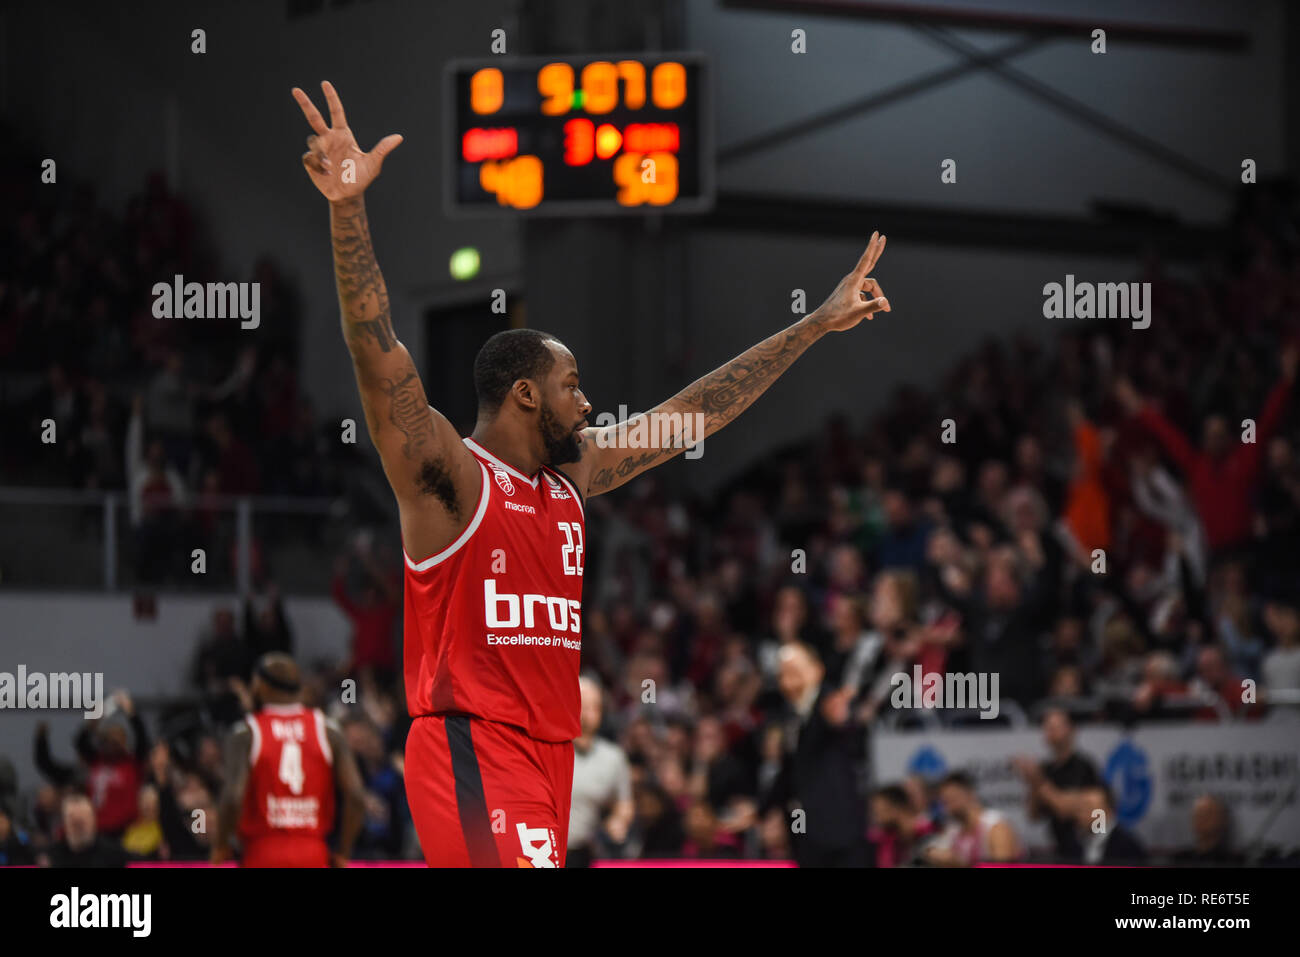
[555, 83]
[486, 91]
[633, 75]
[516, 182]
[668, 85]
[646, 178]
[662, 190]
[599, 87]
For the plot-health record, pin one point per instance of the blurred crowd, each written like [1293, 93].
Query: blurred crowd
[1108, 519]
[176, 414]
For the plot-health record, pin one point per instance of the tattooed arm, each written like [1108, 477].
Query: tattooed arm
[435, 478]
[723, 394]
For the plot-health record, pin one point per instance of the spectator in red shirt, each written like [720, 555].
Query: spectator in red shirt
[1221, 476]
[235, 463]
[112, 771]
[373, 615]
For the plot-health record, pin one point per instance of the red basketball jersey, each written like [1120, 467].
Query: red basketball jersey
[291, 776]
[494, 621]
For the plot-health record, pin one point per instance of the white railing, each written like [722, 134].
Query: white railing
[243, 509]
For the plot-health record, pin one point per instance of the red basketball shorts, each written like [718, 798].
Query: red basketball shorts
[485, 794]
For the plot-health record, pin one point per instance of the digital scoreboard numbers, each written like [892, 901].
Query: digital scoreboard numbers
[580, 135]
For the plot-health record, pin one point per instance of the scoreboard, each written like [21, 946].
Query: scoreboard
[579, 135]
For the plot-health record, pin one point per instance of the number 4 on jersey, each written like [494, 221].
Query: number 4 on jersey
[571, 549]
[291, 772]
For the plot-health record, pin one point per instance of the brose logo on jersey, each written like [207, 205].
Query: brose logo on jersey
[506, 610]
[503, 480]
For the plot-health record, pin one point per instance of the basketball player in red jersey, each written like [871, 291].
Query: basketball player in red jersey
[282, 765]
[493, 530]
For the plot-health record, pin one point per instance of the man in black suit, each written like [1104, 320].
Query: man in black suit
[817, 786]
[1054, 784]
[1104, 839]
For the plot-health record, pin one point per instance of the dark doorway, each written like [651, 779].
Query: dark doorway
[453, 335]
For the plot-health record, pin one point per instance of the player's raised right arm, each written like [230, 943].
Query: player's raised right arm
[426, 463]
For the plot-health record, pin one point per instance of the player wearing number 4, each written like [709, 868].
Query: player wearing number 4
[492, 528]
[283, 763]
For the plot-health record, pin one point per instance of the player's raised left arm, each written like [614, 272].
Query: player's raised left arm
[729, 390]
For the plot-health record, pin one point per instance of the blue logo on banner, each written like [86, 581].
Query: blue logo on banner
[928, 763]
[1126, 773]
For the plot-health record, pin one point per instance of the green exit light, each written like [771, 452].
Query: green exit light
[464, 263]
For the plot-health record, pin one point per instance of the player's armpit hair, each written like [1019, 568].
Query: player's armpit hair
[434, 479]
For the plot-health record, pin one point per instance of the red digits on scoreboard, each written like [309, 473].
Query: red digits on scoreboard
[579, 142]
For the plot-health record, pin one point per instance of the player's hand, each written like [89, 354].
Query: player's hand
[858, 296]
[333, 159]
[835, 706]
[219, 856]
[123, 699]
[338, 860]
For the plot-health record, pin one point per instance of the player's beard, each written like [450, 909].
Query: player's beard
[560, 442]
